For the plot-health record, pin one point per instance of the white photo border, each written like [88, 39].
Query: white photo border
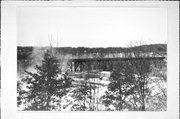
[9, 61]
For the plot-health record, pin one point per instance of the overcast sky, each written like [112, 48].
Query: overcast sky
[90, 26]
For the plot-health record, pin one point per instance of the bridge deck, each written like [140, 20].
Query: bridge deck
[105, 64]
[115, 59]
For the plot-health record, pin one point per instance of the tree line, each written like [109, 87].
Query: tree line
[25, 52]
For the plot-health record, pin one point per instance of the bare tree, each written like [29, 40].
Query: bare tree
[130, 84]
[144, 68]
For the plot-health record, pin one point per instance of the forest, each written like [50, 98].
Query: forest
[24, 52]
[132, 85]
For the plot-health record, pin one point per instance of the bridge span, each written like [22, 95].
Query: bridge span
[106, 64]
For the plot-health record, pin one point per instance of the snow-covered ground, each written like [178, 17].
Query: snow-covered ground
[101, 80]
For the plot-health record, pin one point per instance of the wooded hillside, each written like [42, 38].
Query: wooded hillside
[25, 52]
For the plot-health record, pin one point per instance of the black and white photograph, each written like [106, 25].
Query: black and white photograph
[91, 59]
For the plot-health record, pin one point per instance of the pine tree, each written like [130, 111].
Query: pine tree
[45, 88]
[122, 84]
[82, 95]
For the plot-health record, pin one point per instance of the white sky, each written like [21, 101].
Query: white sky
[90, 26]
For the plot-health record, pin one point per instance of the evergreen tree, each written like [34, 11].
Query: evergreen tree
[47, 86]
[82, 95]
[122, 84]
